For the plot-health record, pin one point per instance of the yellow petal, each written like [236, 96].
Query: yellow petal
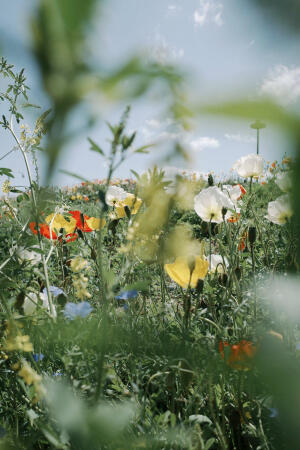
[179, 271]
[95, 224]
[60, 222]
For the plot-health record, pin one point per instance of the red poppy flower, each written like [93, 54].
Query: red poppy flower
[238, 356]
[242, 245]
[71, 237]
[44, 230]
[77, 216]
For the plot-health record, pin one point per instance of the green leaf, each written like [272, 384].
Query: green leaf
[6, 171]
[74, 175]
[95, 147]
[143, 149]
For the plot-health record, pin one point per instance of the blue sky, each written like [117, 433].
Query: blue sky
[226, 47]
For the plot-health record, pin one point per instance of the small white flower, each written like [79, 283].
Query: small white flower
[280, 210]
[209, 204]
[249, 166]
[284, 181]
[217, 263]
[115, 195]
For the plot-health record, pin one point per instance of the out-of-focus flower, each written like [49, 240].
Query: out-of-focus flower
[74, 310]
[284, 181]
[20, 343]
[280, 210]
[249, 166]
[286, 160]
[218, 264]
[238, 356]
[115, 195]
[55, 291]
[187, 273]
[6, 187]
[78, 264]
[25, 255]
[209, 204]
[80, 286]
[32, 300]
[132, 202]
[38, 357]
[273, 413]
[126, 295]
[28, 374]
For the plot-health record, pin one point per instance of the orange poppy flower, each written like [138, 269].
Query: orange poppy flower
[238, 356]
[77, 216]
[44, 230]
[234, 218]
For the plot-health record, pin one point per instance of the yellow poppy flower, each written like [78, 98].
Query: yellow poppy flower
[95, 224]
[179, 271]
[58, 221]
[133, 203]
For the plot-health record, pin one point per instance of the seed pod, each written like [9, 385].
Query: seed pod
[252, 235]
[238, 273]
[210, 180]
[199, 287]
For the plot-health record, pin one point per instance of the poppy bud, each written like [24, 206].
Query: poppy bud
[93, 254]
[252, 235]
[101, 196]
[80, 233]
[238, 273]
[82, 219]
[199, 287]
[224, 212]
[223, 279]
[127, 211]
[210, 180]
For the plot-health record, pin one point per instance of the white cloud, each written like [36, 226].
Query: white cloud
[164, 53]
[245, 139]
[174, 9]
[283, 84]
[153, 123]
[204, 142]
[209, 11]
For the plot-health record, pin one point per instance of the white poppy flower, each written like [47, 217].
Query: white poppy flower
[233, 192]
[249, 166]
[32, 300]
[280, 210]
[32, 257]
[284, 181]
[209, 204]
[217, 263]
[115, 195]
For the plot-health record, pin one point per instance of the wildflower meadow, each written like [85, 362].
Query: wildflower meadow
[159, 311]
